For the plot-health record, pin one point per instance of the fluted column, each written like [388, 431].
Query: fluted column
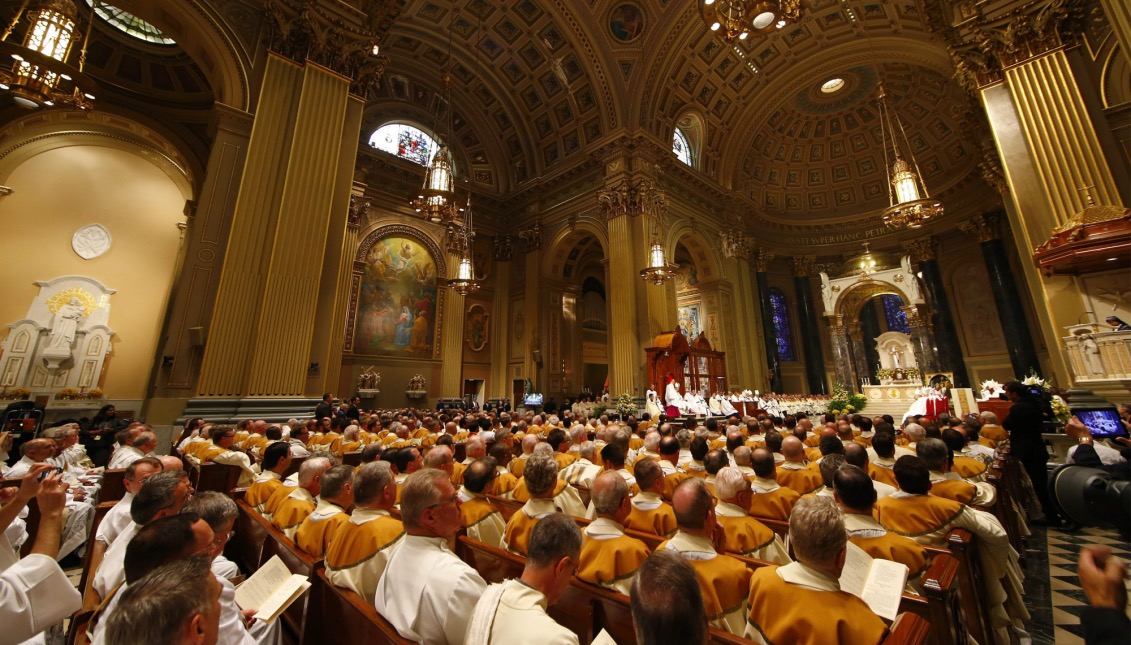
[1014, 322]
[624, 343]
[279, 233]
[500, 384]
[532, 312]
[803, 267]
[924, 252]
[762, 260]
[191, 303]
[451, 334]
[841, 347]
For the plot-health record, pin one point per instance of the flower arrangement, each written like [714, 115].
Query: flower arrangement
[991, 389]
[842, 402]
[898, 374]
[15, 394]
[68, 394]
[1033, 379]
[625, 405]
[1060, 410]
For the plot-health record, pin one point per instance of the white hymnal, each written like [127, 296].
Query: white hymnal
[271, 590]
[879, 583]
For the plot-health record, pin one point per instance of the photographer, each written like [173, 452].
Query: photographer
[1025, 423]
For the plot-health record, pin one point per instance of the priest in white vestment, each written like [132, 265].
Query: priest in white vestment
[514, 612]
[673, 399]
[427, 592]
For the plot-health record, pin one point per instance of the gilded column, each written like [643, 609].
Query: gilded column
[924, 251]
[803, 267]
[762, 259]
[1014, 322]
[534, 360]
[624, 343]
[500, 386]
[451, 335]
[744, 358]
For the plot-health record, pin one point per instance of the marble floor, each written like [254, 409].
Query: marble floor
[1052, 590]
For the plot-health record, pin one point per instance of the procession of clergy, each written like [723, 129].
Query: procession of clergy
[384, 528]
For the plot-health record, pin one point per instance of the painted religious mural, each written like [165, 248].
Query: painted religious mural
[396, 312]
[689, 321]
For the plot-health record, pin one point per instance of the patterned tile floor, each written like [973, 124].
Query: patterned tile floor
[1052, 589]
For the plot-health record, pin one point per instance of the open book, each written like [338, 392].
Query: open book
[879, 583]
[271, 590]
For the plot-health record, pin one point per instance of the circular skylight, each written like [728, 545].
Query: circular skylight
[127, 22]
[832, 85]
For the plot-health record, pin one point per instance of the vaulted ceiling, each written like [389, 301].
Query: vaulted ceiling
[557, 79]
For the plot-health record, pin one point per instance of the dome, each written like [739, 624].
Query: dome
[873, 260]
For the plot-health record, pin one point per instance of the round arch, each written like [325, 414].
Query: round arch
[852, 301]
[563, 242]
[707, 262]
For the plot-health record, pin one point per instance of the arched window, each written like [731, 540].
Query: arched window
[404, 141]
[131, 24]
[783, 331]
[681, 147]
[893, 313]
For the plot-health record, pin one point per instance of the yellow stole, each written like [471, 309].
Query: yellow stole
[503, 484]
[354, 544]
[210, 453]
[635, 443]
[349, 447]
[671, 481]
[517, 534]
[564, 459]
[518, 465]
[609, 560]
[519, 493]
[958, 490]
[967, 467]
[315, 537]
[895, 548]
[475, 511]
[883, 475]
[918, 515]
[724, 582]
[291, 512]
[259, 492]
[658, 521]
[802, 481]
[744, 535]
[841, 618]
[272, 503]
[776, 505]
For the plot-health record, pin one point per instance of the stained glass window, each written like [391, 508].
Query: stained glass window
[131, 24]
[681, 148]
[404, 141]
[896, 319]
[783, 331]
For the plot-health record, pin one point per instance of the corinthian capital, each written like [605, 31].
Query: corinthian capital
[803, 265]
[984, 227]
[922, 249]
[762, 259]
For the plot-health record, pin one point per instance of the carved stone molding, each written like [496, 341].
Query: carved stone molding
[922, 249]
[762, 259]
[633, 197]
[531, 237]
[803, 266]
[359, 206]
[985, 227]
[736, 243]
[504, 251]
[308, 34]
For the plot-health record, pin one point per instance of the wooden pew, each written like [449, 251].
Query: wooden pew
[297, 561]
[352, 458]
[113, 485]
[337, 615]
[246, 546]
[95, 551]
[217, 477]
[969, 576]
[296, 463]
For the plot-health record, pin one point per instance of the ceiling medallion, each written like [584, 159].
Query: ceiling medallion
[739, 19]
[832, 85]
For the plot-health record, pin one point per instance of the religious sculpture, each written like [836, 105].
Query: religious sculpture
[368, 381]
[1090, 352]
[64, 326]
[417, 387]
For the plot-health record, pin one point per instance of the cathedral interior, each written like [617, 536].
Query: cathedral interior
[248, 229]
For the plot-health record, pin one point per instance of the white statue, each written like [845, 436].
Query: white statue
[1090, 352]
[65, 325]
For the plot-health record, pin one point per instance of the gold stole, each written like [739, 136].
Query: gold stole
[724, 582]
[564, 459]
[897, 549]
[743, 535]
[354, 544]
[775, 505]
[517, 534]
[883, 475]
[967, 467]
[277, 497]
[658, 521]
[810, 616]
[259, 492]
[800, 481]
[518, 465]
[918, 515]
[475, 511]
[291, 512]
[349, 447]
[503, 484]
[210, 453]
[958, 490]
[520, 494]
[670, 482]
[314, 537]
[607, 561]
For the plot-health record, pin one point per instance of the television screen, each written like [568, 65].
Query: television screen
[532, 400]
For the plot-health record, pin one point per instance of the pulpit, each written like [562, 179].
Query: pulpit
[696, 366]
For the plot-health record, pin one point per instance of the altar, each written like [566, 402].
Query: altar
[891, 398]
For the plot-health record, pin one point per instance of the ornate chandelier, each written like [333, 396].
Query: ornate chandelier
[909, 203]
[740, 19]
[436, 201]
[40, 75]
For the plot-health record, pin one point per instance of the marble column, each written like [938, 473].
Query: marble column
[869, 330]
[842, 355]
[803, 267]
[276, 247]
[924, 253]
[859, 356]
[1010, 312]
[762, 259]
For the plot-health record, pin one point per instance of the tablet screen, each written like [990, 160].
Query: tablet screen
[1103, 422]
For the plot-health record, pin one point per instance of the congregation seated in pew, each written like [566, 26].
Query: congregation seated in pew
[609, 558]
[301, 501]
[482, 521]
[361, 548]
[317, 530]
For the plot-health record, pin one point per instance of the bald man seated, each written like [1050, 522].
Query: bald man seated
[855, 493]
[362, 546]
[794, 473]
[302, 500]
[946, 483]
[482, 521]
[519, 463]
[723, 580]
[609, 558]
[650, 513]
[818, 610]
[548, 495]
[770, 499]
[742, 533]
[335, 496]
